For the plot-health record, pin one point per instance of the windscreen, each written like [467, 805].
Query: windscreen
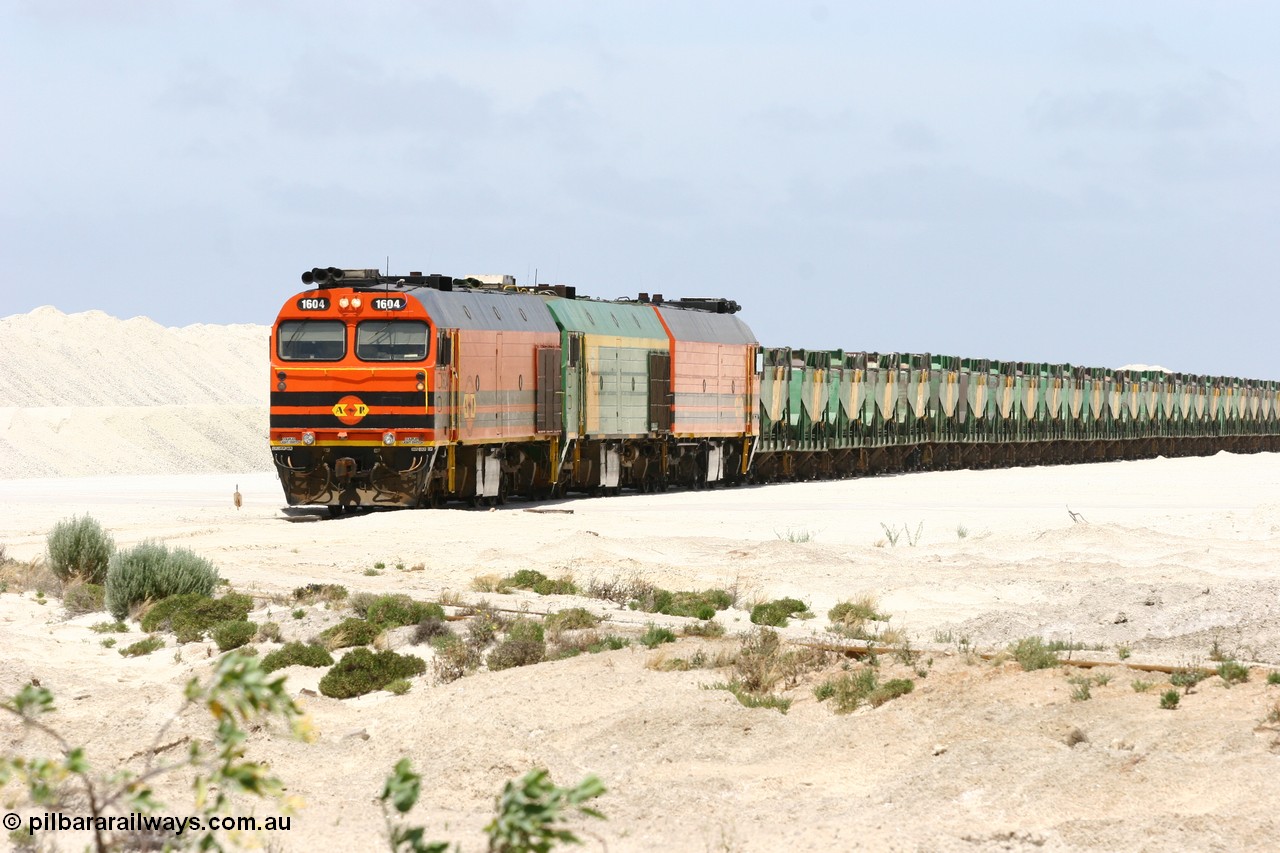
[391, 340]
[311, 340]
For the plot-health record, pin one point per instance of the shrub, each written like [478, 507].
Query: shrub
[1169, 700]
[296, 654]
[142, 647]
[395, 611]
[706, 628]
[1233, 673]
[524, 644]
[233, 634]
[697, 605]
[748, 699]
[313, 592]
[150, 571]
[485, 624]
[655, 636]
[360, 603]
[268, 632]
[454, 658]
[571, 619]
[775, 613]
[428, 629]
[399, 687]
[1188, 677]
[362, 671]
[850, 618]
[190, 615]
[298, 613]
[349, 632]
[609, 642]
[1031, 654]
[536, 581]
[1273, 678]
[848, 690]
[109, 628]
[79, 548]
[1140, 686]
[81, 598]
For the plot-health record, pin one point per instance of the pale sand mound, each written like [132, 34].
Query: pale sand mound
[90, 394]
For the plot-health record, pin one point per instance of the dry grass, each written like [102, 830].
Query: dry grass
[29, 576]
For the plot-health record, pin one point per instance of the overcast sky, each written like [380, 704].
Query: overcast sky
[1094, 183]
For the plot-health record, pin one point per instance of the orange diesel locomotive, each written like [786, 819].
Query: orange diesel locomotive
[415, 390]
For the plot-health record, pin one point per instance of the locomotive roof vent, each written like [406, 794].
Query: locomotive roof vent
[490, 280]
[715, 305]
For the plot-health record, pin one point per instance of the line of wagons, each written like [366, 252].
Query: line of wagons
[420, 389]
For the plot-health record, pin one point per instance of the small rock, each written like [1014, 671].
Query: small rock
[307, 691]
[1122, 745]
[362, 734]
[1120, 618]
[939, 749]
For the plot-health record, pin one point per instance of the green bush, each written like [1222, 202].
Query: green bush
[296, 654]
[79, 548]
[655, 636]
[395, 611]
[269, 632]
[81, 598]
[1232, 672]
[1031, 654]
[775, 613]
[1273, 678]
[150, 571]
[350, 632]
[191, 615]
[109, 628]
[362, 671]
[142, 647]
[360, 602]
[233, 634]
[523, 644]
[1169, 699]
[428, 629]
[708, 628]
[314, 592]
[696, 605]
[399, 687]
[571, 619]
[536, 581]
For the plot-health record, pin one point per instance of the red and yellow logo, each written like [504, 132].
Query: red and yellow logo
[350, 410]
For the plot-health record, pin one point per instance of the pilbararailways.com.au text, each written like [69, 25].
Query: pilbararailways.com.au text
[137, 822]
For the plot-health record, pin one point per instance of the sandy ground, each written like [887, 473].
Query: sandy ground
[1168, 558]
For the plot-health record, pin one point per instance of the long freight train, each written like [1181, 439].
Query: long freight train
[415, 390]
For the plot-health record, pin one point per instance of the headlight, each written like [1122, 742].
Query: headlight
[388, 438]
[355, 303]
[344, 302]
[308, 438]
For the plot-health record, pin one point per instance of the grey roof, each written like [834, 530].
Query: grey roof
[689, 325]
[470, 310]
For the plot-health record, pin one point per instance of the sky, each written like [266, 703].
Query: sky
[1095, 183]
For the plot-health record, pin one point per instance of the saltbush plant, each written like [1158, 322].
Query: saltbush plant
[362, 671]
[524, 644]
[697, 605]
[313, 592]
[233, 634]
[349, 632]
[775, 613]
[150, 572]
[191, 615]
[142, 647]
[1031, 654]
[570, 620]
[79, 548]
[655, 636]
[395, 611]
[296, 654]
[80, 598]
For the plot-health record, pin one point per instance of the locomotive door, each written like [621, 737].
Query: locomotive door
[548, 412]
[572, 386]
[659, 392]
